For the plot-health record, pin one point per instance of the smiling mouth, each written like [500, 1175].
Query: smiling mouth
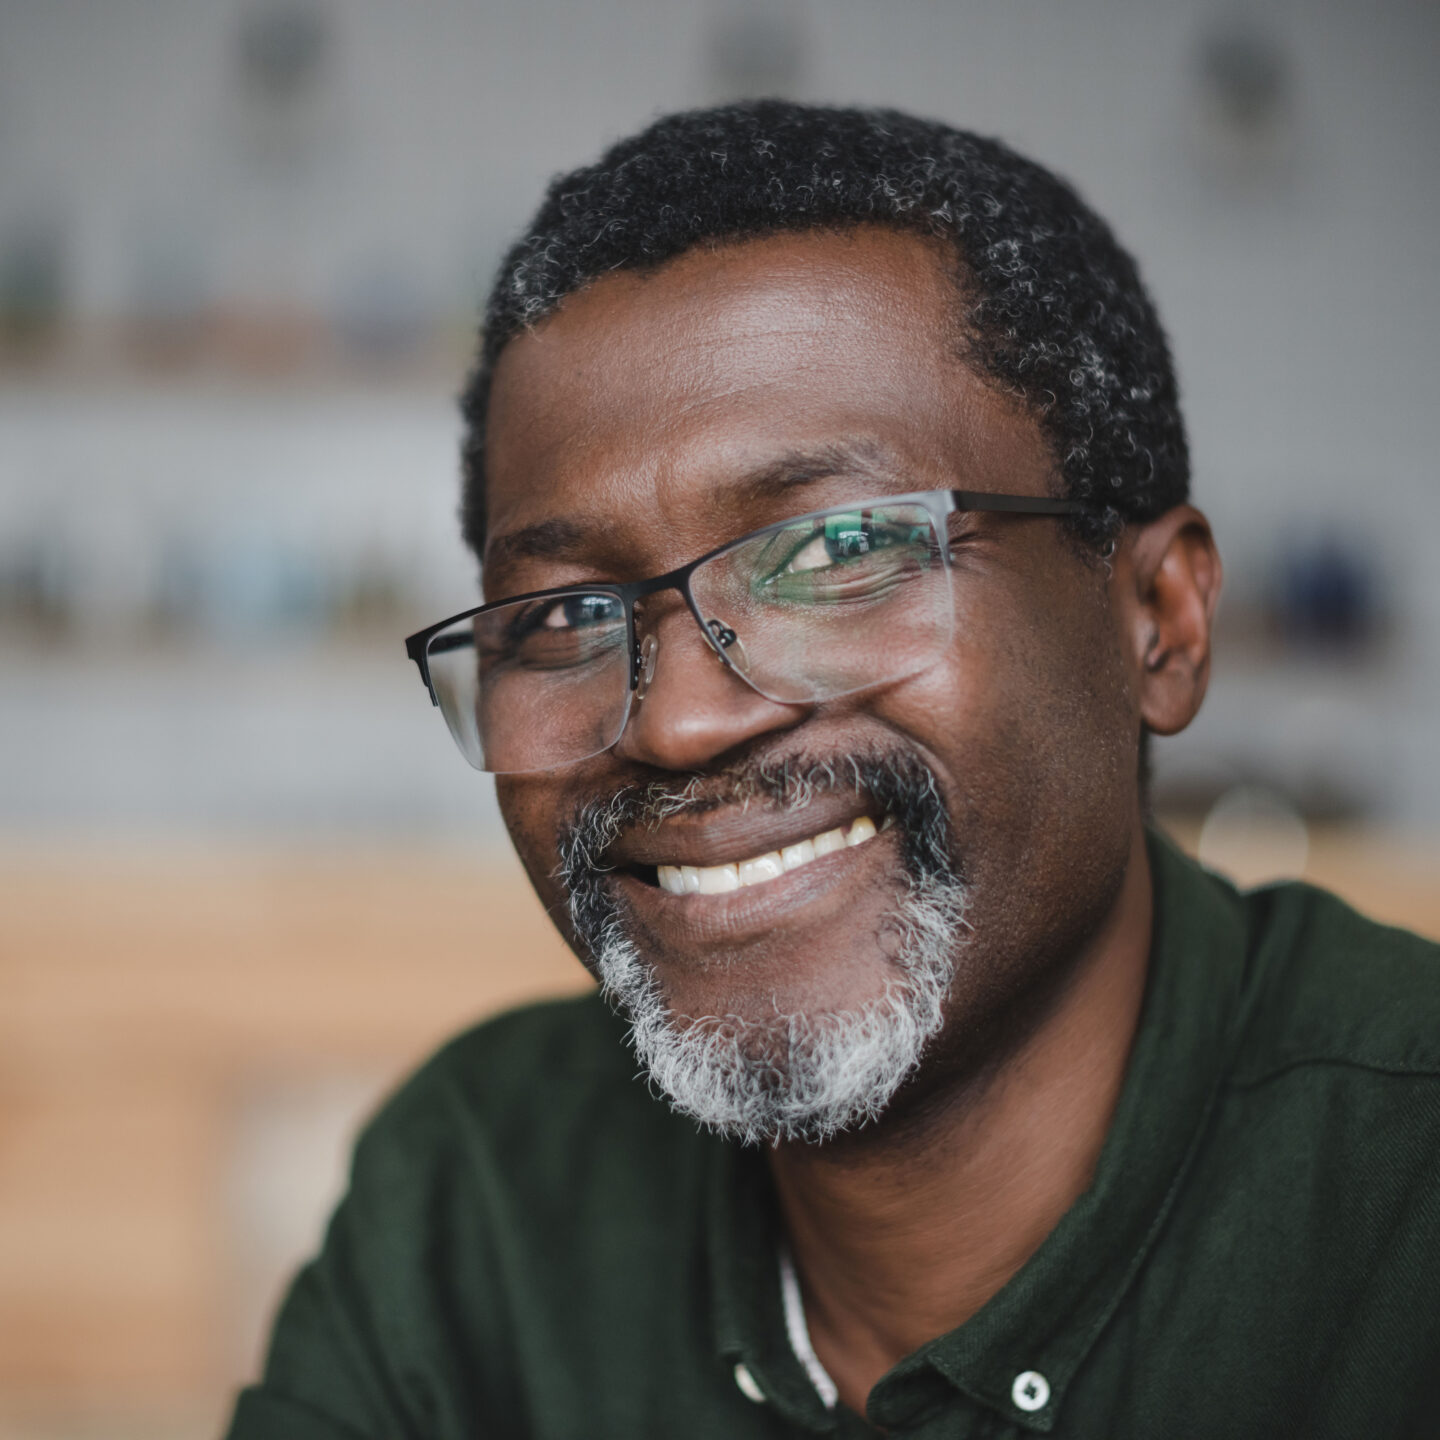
[760, 869]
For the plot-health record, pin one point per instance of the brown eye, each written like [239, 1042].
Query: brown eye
[581, 612]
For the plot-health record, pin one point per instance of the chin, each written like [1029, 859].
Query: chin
[755, 1070]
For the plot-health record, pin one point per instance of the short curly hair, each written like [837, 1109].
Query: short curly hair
[1054, 311]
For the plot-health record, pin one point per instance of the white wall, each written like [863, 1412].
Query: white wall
[1304, 310]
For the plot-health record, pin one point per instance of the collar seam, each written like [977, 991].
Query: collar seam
[1283, 1065]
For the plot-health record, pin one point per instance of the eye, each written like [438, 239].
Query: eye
[554, 632]
[811, 556]
[577, 612]
[847, 537]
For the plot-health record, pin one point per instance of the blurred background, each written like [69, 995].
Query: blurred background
[245, 881]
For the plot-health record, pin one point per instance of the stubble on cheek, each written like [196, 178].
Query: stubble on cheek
[1043, 813]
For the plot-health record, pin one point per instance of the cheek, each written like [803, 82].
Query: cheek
[1030, 721]
[531, 807]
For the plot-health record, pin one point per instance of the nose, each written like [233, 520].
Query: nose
[694, 708]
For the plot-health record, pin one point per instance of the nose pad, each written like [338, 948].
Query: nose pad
[649, 649]
[729, 645]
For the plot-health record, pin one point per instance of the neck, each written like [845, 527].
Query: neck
[903, 1232]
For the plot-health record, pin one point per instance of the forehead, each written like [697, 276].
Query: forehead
[646, 393]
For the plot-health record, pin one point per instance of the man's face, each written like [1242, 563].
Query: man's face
[654, 417]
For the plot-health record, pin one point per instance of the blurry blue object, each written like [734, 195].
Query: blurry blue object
[1326, 594]
[244, 588]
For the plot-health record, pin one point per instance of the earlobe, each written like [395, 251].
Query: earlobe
[1170, 584]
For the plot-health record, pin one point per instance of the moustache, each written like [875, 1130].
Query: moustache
[896, 782]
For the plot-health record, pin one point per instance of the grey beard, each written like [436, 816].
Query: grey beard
[804, 1076]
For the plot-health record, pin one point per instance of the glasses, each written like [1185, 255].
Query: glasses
[805, 610]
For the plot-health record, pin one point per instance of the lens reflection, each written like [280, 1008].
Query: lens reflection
[830, 603]
[536, 683]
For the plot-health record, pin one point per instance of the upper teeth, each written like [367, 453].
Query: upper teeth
[716, 879]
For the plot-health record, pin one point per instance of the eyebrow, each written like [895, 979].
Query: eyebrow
[567, 539]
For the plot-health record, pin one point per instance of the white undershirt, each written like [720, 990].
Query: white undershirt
[799, 1332]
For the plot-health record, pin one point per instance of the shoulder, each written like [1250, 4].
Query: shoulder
[1329, 987]
[516, 1077]
[485, 1196]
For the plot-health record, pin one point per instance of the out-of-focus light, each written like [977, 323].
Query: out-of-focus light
[1254, 836]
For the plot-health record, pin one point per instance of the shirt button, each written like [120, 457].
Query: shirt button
[1031, 1390]
[748, 1388]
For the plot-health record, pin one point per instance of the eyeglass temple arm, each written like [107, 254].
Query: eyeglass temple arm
[1015, 504]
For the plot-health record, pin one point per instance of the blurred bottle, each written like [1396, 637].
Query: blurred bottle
[1326, 595]
[33, 284]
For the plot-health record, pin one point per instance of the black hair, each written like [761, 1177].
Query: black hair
[1054, 311]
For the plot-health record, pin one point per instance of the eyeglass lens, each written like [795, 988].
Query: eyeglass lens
[831, 603]
[817, 608]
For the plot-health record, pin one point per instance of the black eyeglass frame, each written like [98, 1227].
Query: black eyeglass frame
[940, 503]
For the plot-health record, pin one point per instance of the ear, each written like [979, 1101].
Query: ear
[1165, 585]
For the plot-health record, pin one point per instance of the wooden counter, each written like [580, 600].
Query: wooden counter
[182, 1035]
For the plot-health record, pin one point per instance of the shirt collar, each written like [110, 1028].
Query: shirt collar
[744, 1230]
[1047, 1317]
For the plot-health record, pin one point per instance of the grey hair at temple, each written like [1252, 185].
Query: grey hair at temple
[1053, 308]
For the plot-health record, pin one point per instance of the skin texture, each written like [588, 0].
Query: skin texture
[621, 433]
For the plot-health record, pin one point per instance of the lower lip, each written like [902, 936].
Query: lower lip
[746, 915]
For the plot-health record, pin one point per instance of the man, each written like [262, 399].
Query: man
[830, 486]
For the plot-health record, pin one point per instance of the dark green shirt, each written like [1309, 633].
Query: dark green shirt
[533, 1245]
